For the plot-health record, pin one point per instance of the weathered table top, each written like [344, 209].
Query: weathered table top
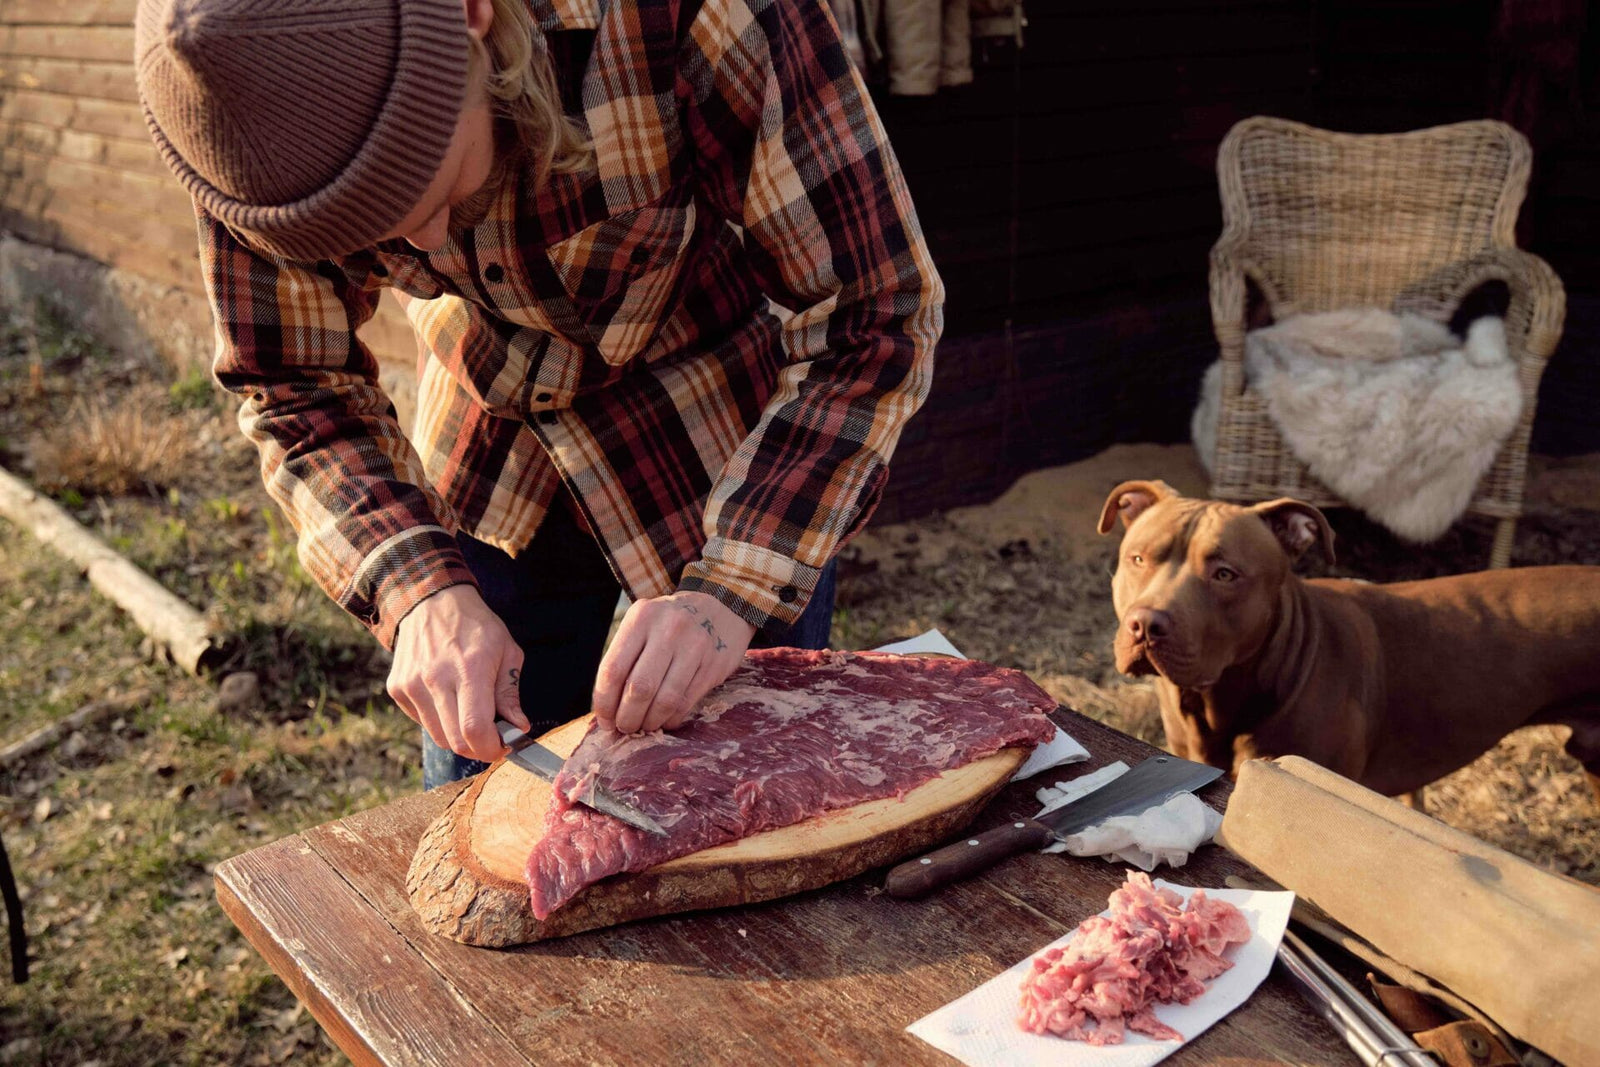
[832, 976]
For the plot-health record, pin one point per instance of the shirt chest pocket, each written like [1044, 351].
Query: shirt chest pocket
[621, 274]
[404, 274]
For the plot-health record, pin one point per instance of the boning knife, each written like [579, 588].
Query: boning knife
[534, 758]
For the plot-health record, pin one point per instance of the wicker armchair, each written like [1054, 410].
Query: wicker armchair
[1410, 222]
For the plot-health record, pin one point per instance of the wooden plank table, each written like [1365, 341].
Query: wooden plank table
[828, 977]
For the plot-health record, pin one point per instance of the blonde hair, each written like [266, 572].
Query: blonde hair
[521, 81]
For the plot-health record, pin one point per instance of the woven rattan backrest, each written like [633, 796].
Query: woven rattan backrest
[1331, 220]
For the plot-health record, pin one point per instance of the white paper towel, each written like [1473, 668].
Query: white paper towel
[1165, 834]
[1059, 750]
[932, 641]
[981, 1029]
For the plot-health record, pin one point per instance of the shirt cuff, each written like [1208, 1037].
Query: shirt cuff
[762, 587]
[400, 574]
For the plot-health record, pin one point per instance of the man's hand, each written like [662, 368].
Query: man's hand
[455, 667]
[668, 653]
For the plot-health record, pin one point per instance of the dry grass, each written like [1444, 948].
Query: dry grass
[128, 445]
[1527, 796]
[114, 833]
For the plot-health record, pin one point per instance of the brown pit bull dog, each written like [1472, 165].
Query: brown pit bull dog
[1390, 685]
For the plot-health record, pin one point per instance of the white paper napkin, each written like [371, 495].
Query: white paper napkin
[981, 1029]
[1060, 749]
[1165, 834]
[931, 641]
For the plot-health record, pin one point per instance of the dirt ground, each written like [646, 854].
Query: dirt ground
[114, 832]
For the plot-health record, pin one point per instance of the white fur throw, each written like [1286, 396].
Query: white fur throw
[1392, 412]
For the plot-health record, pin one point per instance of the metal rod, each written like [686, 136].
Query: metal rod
[1318, 921]
[1339, 1003]
[1327, 1004]
[1391, 1035]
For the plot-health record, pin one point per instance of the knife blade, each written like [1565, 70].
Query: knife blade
[534, 758]
[1154, 781]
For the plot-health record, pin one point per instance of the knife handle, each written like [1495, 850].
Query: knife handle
[966, 857]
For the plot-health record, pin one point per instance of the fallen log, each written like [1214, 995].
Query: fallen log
[171, 624]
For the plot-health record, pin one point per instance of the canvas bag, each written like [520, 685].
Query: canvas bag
[1521, 944]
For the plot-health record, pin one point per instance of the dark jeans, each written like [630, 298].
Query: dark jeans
[557, 598]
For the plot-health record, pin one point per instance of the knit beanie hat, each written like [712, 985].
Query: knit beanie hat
[312, 127]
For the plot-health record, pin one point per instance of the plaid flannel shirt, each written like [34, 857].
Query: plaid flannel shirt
[713, 338]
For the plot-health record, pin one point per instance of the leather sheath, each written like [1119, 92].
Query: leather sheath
[1466, 1043]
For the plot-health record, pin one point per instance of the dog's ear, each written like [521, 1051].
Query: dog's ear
[1130, 499]
[1297, 526]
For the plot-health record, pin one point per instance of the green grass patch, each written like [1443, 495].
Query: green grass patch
[192, 390]
[114, 833]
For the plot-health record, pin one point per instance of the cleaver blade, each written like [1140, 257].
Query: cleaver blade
[1154, 781]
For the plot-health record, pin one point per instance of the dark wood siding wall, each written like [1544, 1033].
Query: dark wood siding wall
[1069, 194]
[1070, 198]
[1389, 65]
[1102, 135]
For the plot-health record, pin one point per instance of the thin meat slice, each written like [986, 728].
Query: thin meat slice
[789, 735]
[1153, 948]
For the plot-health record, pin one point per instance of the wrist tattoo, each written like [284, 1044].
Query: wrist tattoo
[514, 676]
[708, 628]
[705, 624]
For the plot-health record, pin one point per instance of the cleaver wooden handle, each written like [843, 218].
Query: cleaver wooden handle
[966, 857]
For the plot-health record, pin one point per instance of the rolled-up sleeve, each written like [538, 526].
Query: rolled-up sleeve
[788, 146]
[372, 533]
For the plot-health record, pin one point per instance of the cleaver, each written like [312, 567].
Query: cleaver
[1155, 781]
[534, 758]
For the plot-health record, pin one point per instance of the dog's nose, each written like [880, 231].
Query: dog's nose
[1148, 624]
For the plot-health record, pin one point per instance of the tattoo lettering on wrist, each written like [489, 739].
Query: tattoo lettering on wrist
[705, 624]
[708, 628]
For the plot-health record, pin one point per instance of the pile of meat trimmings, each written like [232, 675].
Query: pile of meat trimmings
[1151, 948]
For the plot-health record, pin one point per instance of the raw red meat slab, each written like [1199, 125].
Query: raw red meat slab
[1151, 949]
[789, 735]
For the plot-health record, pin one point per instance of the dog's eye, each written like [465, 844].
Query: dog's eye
[1225, 574]
[1136, 559]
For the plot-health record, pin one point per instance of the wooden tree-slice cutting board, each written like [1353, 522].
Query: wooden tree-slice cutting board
[466, 880]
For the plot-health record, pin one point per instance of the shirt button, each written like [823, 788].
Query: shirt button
[788, 594]
[494, 272]
[548, 418]
[543, 398]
